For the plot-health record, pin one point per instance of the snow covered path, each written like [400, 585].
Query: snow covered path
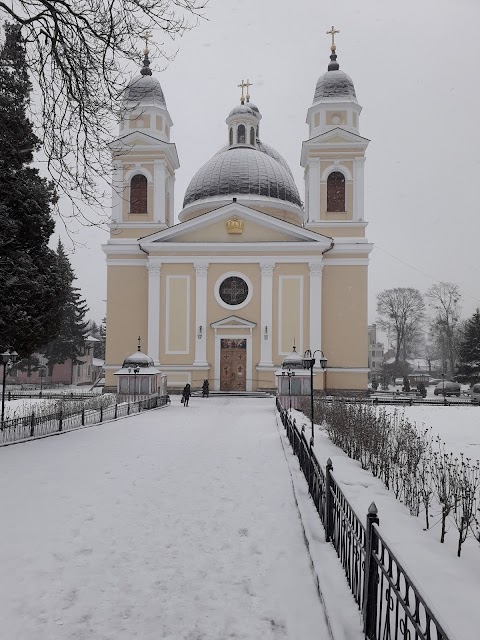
[179, 524]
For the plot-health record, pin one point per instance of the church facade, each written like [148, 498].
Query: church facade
[249, 270]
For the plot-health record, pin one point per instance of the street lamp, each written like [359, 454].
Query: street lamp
[135, 371]
[8, 359]
[443, 389]
[289, 373]
[308, 361]
[42, 371]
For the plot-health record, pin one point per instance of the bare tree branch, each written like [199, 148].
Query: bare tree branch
[77, 53]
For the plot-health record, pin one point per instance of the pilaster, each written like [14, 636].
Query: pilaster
[266, 314]
[314, 190]
[159, 191]
[316, 271]
[358, 188]
[154, 272]
[201, 275]
[117, 191]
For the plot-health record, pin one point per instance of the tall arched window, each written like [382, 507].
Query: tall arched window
[241, 134]
[230, 136]
[138, 194]
[252, 136]
[336, 192]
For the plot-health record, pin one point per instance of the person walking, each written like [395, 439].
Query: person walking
[205, 389]
[186, 395]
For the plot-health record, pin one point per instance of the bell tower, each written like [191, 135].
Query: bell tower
[334, 155]
[144, 160]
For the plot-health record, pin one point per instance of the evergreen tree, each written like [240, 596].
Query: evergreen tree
[469, 351]
[30, 283]
[70, 339]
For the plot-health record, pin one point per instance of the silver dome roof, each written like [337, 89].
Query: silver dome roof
[138, 359]
[334, 86]
[243, 170]
[242, 109]
[145, 88]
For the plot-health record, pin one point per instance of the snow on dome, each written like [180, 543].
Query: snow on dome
[243, 109]
[334, 86]
[293, 361]
[137, 359]
[145, 88]
[243, 170]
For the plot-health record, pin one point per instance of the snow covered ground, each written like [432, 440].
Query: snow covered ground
[177, 524]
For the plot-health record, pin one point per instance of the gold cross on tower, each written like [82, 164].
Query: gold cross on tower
[147, 36]
[332, 33]
[242, 86]
[248, 84]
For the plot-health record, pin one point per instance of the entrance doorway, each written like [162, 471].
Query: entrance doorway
[233, 364]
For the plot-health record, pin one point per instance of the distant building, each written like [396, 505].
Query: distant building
[375, 352]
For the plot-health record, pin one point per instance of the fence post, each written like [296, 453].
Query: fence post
[370, 588]
[60, 420]
[116, 409]
[101, 414]
[83, 417]
[328, 502]
[32, 425]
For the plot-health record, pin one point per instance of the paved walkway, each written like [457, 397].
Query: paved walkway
[178, 523]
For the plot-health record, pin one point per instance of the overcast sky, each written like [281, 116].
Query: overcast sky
[415, 68]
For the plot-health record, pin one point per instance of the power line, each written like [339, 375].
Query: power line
[468, 295]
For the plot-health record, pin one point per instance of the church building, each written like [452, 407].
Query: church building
[249, 270]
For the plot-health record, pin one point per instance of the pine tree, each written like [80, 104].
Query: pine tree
[70, 339]
[30, 283]
[469, 351]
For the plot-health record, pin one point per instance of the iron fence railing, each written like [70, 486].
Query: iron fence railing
[31, 426]
[391, 605]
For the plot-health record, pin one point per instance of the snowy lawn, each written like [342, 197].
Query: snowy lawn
[449, 584]
[25, 406]
[171, 524]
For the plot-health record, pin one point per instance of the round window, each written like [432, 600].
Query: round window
[233, 290]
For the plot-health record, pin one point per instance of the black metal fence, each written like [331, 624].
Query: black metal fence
[391, 605]
[31, 426]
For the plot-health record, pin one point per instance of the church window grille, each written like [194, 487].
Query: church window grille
[241, 134]
[230, 136]
[233, 290]
[336, 192]
[138, 194]
[252, 136]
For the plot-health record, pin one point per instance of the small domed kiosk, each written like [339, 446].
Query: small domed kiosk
[139, 379]
[293, 381]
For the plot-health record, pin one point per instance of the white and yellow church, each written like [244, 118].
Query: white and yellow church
[249, 269]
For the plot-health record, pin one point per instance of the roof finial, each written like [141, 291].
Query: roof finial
[242, 86]
[333, 66]
[139, 341]
[146, 71]
[294, 347]
[248, 84]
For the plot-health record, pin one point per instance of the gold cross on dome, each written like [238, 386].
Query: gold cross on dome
[147, 36]
[248, 84]
[242, 86]
[332, 33]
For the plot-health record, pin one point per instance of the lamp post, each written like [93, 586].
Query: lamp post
[443, 388]
[308, 363]
[289, 373]
[41, 374]
[8, 359]
[135, 371]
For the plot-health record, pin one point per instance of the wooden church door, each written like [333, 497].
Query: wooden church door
[233, 365]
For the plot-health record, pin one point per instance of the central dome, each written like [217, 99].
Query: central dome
[244, 170]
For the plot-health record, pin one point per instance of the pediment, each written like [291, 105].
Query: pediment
[235, 224]
[233, 322]
[338, 136]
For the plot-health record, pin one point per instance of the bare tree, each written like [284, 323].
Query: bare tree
[401, 313]
[444, 301]
[77, 54]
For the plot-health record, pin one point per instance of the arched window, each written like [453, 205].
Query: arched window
[241, 134]
[230, 136]
[258, 129]
[252, 136]
[138, 194]
[336, 192]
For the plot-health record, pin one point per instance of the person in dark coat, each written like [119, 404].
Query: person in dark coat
[205, 389]
[186, 395]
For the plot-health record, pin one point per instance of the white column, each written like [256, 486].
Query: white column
[266, 313]
[316, 269]
[358, 188]
[159, 179]
[201, 272]
[118, 191]
[153, 329]
[314, 190]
